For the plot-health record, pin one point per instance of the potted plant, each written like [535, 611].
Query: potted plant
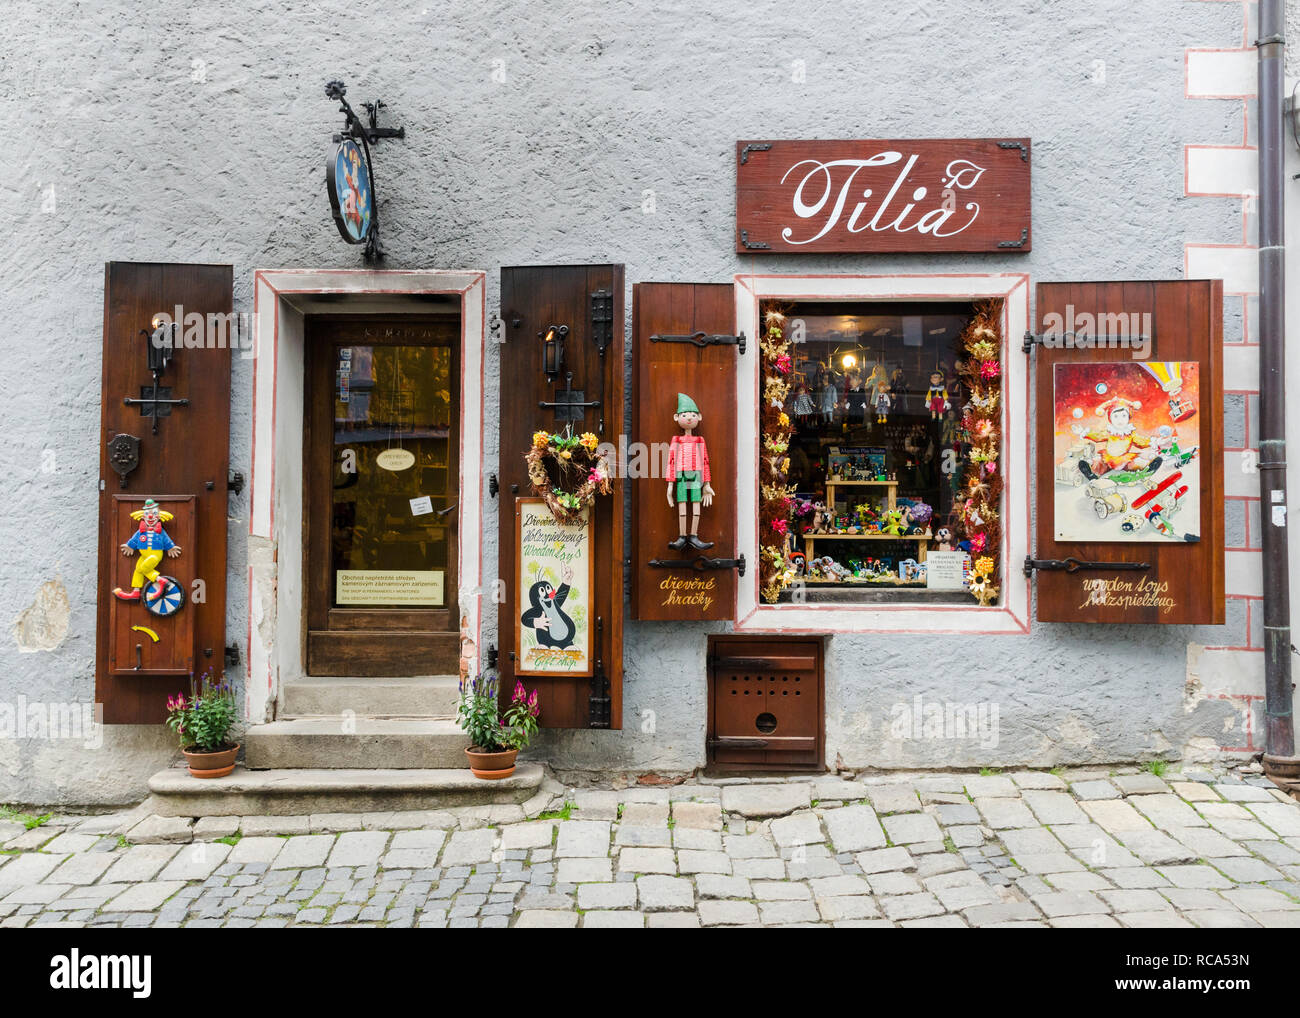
[495, 737]
[203, 723]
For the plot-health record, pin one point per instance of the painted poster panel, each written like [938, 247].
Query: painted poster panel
[1126, 444]
[555, 584]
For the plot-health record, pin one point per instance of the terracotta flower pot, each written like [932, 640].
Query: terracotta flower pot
[491, 766]
[216, 764]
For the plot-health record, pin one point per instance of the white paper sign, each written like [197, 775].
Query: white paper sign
[946, 570]
[421, 506]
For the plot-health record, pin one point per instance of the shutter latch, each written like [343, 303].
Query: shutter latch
[700, 563]
[703, 339]
[1074, 565]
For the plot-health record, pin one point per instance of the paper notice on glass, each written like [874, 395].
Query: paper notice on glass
[947, 570]
[421, 506]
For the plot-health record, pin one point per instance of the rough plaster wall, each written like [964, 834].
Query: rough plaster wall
[184, 133]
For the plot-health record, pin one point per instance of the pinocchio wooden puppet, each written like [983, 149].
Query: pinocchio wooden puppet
[688, 474]
[152, 542]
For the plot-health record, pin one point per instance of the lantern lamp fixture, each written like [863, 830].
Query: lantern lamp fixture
[553, 349]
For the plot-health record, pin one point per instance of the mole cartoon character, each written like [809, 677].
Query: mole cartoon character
[688, 474]
[546, 613]
[152, 542]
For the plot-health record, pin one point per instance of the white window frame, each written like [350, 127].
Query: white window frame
[1011, 615]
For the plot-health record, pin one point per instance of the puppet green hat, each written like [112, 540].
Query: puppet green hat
[686, 405]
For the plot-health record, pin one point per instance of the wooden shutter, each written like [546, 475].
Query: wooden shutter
[1184, 583]
[184, 467]
[589, 300]
[661, 369]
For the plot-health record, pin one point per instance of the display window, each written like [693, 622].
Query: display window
[889, 472]
[889, 447]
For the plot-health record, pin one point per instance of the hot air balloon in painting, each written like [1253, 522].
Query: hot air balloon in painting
[1169, 375]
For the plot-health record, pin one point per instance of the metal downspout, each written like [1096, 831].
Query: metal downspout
[1279, 756]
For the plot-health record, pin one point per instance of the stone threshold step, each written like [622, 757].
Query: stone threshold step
[294, 792]
[355, 742]
[404, 696]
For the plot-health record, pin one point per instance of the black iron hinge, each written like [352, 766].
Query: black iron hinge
[1074, 565]
[703, 339]
[700, 563]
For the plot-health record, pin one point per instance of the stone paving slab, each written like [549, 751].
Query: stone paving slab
[1030, 850]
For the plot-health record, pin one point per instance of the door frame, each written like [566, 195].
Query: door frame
[275, 612]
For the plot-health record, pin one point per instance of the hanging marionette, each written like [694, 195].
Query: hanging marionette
[936, 397]
[688, 474]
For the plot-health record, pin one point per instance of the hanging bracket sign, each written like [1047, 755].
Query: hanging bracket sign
[349, 175]
[864, 197]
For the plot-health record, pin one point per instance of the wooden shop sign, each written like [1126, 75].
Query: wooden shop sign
[860, 197]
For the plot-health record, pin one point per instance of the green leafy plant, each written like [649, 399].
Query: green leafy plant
[29, 820]
[203, 722]
[489, 729]
[1156, 767]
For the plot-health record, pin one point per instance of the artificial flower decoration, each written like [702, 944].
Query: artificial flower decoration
[777, 502]
[566, 472]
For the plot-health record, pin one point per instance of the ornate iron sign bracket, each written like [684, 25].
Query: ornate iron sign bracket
[365, 132]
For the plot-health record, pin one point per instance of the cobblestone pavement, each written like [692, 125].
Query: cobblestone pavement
[1079, 848]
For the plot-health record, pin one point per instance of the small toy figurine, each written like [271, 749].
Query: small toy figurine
[827, 393]
[688, 474]
[855, 399]
[936, 397]
[883, 402]
[944, 536]
[152, 542]
[950, 430]
[893, 524]
[897, 381]
[803, 405]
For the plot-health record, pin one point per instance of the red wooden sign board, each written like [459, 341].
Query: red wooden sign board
[861, 197]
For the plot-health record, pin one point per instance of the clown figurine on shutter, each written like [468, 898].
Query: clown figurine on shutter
[152, 542]
[688, 474]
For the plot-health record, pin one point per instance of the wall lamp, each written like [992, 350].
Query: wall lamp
[553, 349]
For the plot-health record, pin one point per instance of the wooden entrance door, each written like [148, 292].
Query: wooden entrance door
[382, 457]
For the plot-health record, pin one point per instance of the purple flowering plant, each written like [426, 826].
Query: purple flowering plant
[490, 729]
[203, 722]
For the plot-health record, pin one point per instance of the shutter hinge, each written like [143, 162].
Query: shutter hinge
[1074, 565]
[703, 339]
[700, 563]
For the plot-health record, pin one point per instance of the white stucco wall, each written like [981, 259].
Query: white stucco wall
[570, 132]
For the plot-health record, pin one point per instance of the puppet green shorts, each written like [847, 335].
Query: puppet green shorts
[689, 486]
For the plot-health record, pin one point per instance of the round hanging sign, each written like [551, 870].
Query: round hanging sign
[395, 459]
[351, 200]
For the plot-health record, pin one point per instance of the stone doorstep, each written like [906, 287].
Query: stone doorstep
[295, 792]
[419, 696]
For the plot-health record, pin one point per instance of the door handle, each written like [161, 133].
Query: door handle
[451, 508]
